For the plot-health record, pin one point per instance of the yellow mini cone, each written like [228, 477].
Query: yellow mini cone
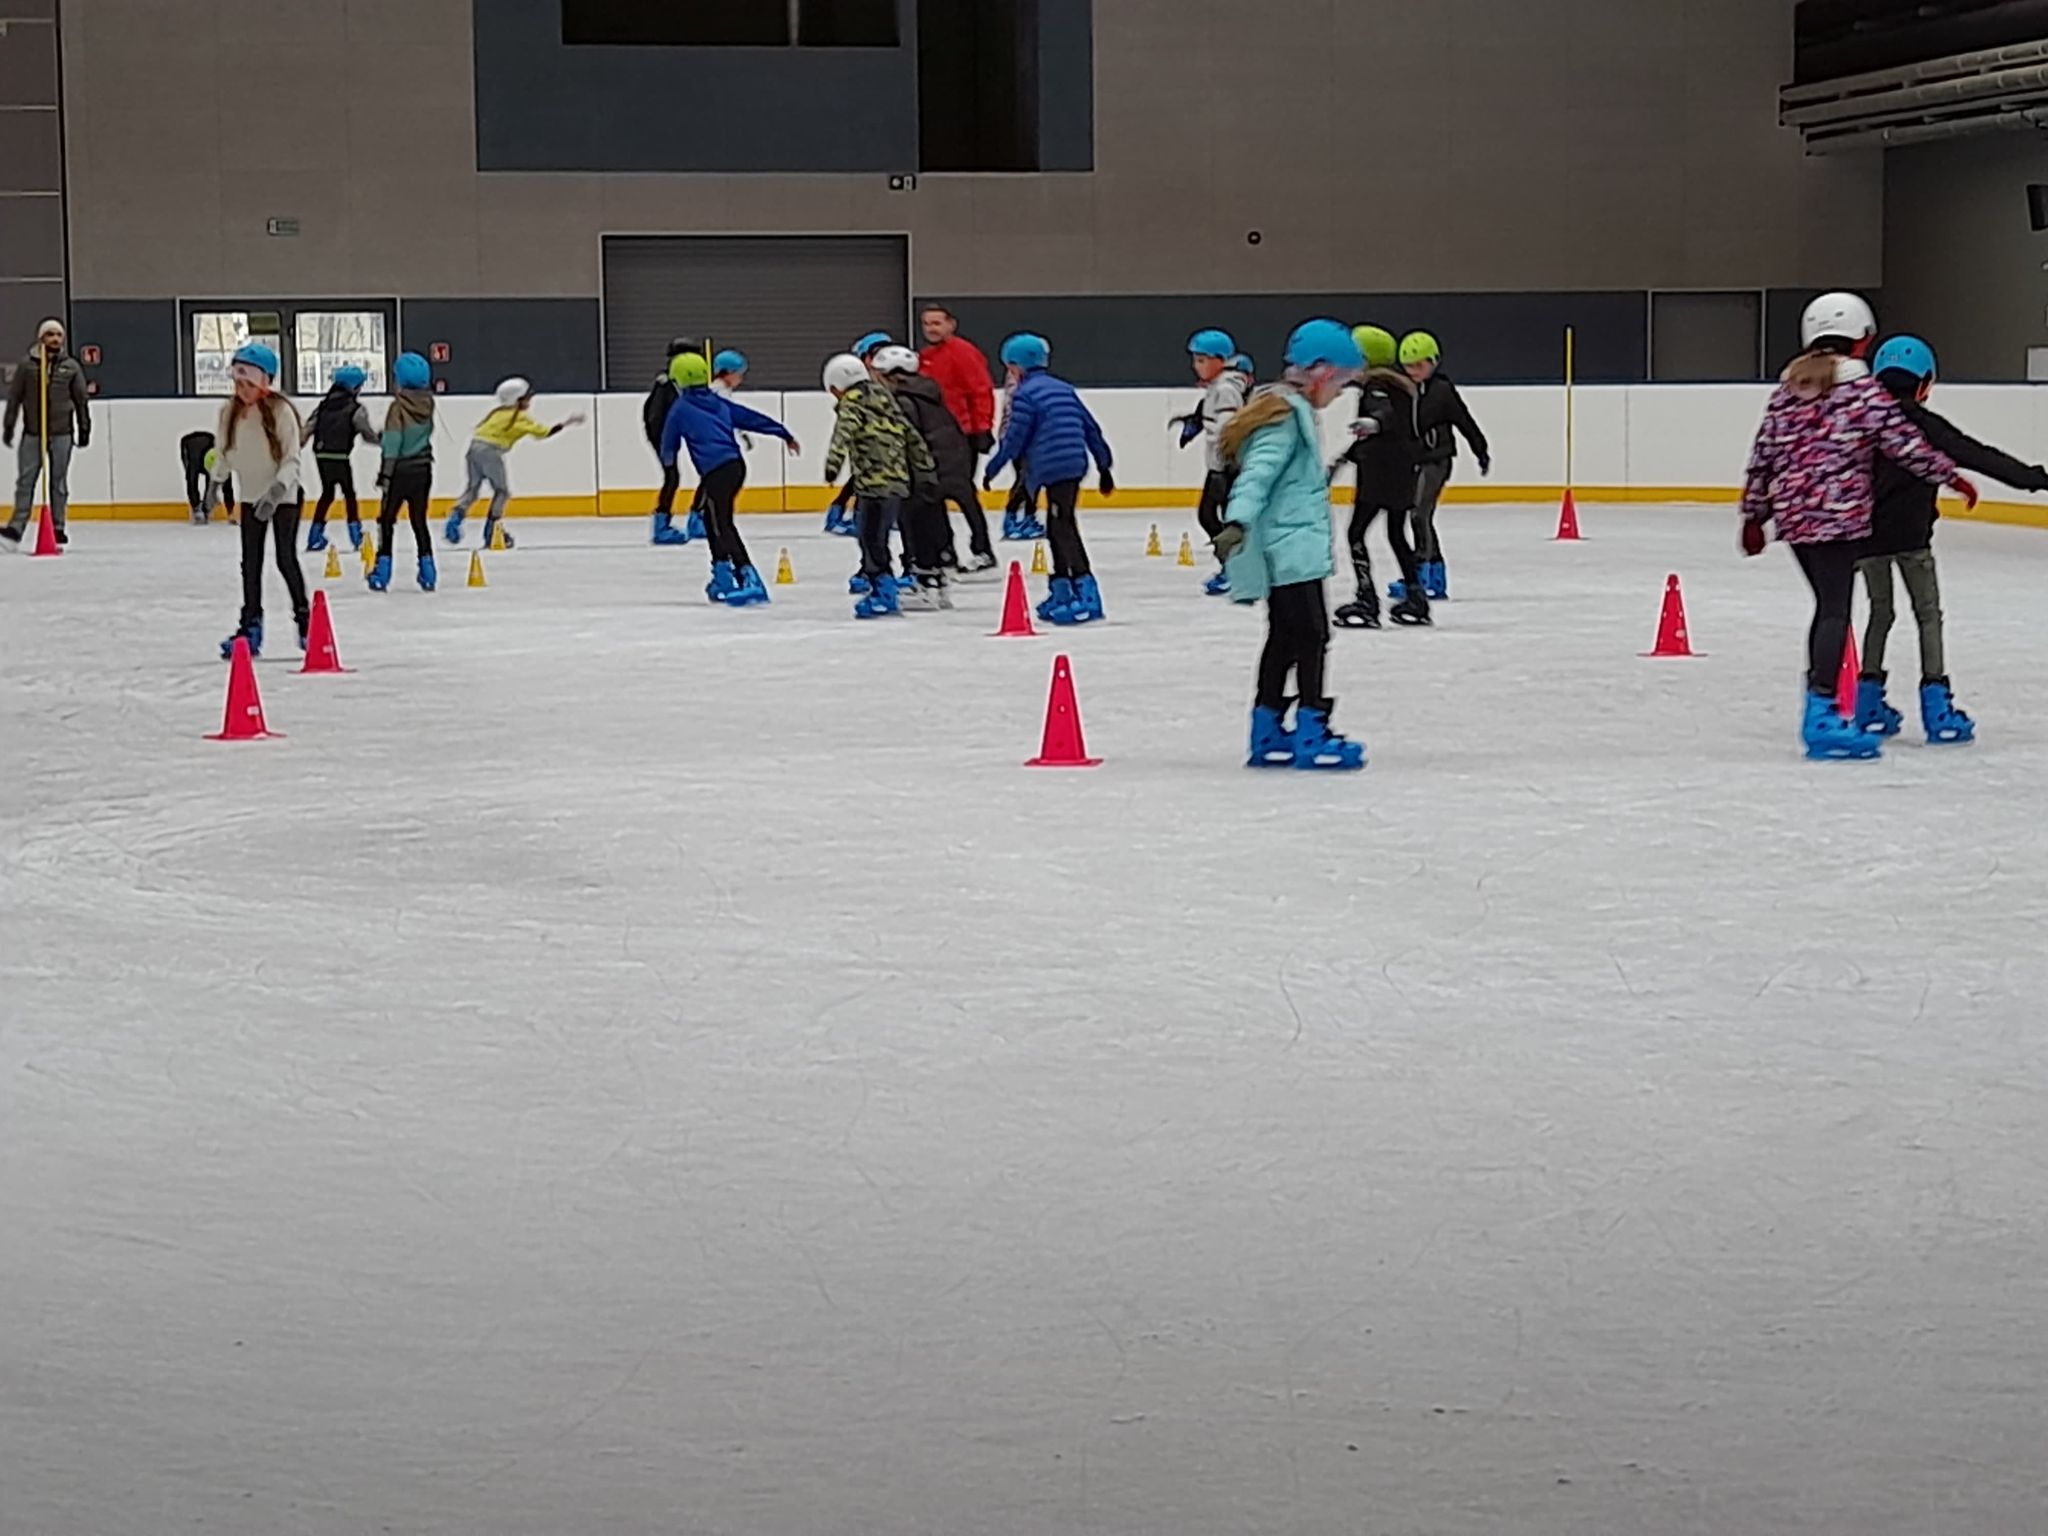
[476, 569]
[1187, 551]
[498, 536]
[1152, 546]
[333, 572]
[369, 556]
[785, 573]
[1038, 565]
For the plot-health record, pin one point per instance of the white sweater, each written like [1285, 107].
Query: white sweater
[249, 461]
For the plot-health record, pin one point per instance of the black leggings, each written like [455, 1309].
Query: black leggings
[1215, 501]
[1297, 640]
[671, 479]
[409, 485]
[1830, 569]
[961, 494]
[719, 494]
[927, 530]
[1063, 530]
[283, 528]
[874, 517]
[336, 475]
[1363, 512]
[1022, 497]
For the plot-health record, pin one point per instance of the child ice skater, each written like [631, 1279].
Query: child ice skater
[708, 425]
[1223, 394]
[1902, 539]
[259, 435]
[930, 533]
[203, 489]
[1385, 443]
[1020, 508]
[654, 411]
[406, 475]
[1276, 541]
[882, 452]
[1440, 416]
[337, 424]
[1810, 472]
[839, 516]
[1053, 435]
[496, 436]
[728, 374]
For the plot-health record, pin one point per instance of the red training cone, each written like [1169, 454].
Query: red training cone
[1845, 680]
[1062, 746]
[1016, 605]
[244, 720]
[1672, 639]
[1568, 517]
[320, 653]
[46, 534]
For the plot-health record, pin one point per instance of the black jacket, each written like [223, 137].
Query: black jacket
[338, 423]
[70, 410]
[1902, 505]
[1386, 460]
[1439, 412]
[924, 406]
[654, 413]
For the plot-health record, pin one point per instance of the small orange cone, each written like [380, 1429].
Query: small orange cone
[1568, 518]
[1845, 680]
[244, 718]
[320, 653]
[1062, 745]
[46, 535]
[1016, 605]
[1672, 638]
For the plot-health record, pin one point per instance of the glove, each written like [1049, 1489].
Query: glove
[983, 442]
[7, 441]
[82, 438]
[1107, 484]
[1485, 465]
[266, 505]
[2039, 482]
[1190, 428]
[988, 481]
[1964, 489]
[1229, 539]
[1369, 426]
[1752, 536]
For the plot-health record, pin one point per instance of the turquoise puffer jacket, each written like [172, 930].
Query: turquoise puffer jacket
[1281, 496]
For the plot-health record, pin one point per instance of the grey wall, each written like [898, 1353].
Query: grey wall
[1962, 266]
[31, 176]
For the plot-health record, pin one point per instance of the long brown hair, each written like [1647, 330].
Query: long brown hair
[267, 407]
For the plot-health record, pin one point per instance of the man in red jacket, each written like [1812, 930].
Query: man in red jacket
[960, 370]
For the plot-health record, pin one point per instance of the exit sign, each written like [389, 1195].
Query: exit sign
[283, 228]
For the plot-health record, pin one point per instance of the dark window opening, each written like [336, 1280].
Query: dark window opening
[977, 85]
[1834, 38]
[846, 23]
[677, 23]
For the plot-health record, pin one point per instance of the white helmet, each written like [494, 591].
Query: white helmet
[1837, 314]
[895, 360]
[845, 371]
[513, 390]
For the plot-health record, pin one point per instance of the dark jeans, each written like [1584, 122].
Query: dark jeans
[409, 485]
[1363, 512]
[719, 493]
[1830, 570]
[961, 494]
[1430, 481]
[283, 529]
[1063, 530]
[671, 479]
[336, 475]
[875, 517]
[1297, 640]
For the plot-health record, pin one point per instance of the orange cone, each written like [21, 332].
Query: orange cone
[1672, 638]
[1568, 518]
[46, 534]
[244, 718]
[1016, 605]
[1845, 680]
[1062, 745]
[320, 653]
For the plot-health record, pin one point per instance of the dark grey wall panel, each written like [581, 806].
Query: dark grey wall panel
[1963, 265]
[1706, 338]
[1490, 338]
[1066, 85]
[553, 342]
[138, 341]
[543, 105]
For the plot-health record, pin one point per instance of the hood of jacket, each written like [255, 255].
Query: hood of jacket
[1392, 378]
[414, 407]
[1268, 404]
[920, 386]
[1814, 374]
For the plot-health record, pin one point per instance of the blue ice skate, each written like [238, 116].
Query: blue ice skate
[748, 589]
[1010, 533]
[1029, 527]
[496, 533]
[1944, 723]
[1829, 737]
[723, 583]
[1059, 597]
[858, 585]
[881, 603]
[693, 525]
[451, 531]
[666, 531]
[1086, 606]
[1397, 591]
[1218, 585]
[355, 534]
[253, 633]
[379, 578]
[316, 538]
[428, 576]
[1875, 716]
[1317, 746]
[1272, 742]
[1435, 584]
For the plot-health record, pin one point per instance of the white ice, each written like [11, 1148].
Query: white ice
[623, 1067]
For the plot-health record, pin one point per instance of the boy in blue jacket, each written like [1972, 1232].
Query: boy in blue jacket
[1054, 435]
[709, 425]
[1275, 542]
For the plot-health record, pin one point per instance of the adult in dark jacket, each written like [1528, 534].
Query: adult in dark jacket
[1903, 513]
[47, 399]
[923, 404]
[1387, 445]
[1440, 415]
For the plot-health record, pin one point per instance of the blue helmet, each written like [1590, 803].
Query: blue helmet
[411, 371]
[256, 355]
[1323, 342]
[1907, 353]
[350, 377]
[1025, 350]
[1211, 343]
[729, 361]
[1242, 362]
[874, 341]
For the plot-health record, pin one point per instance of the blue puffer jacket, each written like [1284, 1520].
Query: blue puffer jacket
[1050, 431]
[709, 425]
[1281, 496]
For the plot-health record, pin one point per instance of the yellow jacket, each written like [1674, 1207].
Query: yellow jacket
[507, 424]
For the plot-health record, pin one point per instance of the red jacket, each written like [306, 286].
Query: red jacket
[957, 366]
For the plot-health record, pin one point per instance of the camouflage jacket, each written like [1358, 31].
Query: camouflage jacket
[871, 434]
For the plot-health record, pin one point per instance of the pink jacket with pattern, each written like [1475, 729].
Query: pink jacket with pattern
[1810, 468]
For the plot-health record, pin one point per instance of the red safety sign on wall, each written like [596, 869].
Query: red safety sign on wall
[90, 356]
[437, 352]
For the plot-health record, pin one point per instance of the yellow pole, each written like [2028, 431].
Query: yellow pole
[1569, 482]
[43, 364]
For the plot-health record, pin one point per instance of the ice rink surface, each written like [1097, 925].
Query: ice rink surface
[625, 1067]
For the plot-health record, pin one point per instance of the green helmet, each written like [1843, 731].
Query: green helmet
[1419, 347]
[689, 369]
[1376, 344]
